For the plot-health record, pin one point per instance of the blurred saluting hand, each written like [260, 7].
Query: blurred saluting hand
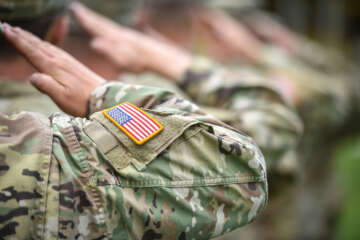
[130, 50]
[229, 33]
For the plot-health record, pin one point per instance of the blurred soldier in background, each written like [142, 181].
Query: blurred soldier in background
[67, 178]
[328, 108]
[248, 97]
[326, 100]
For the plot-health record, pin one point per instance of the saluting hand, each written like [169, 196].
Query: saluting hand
[68, 82]
[228, 33]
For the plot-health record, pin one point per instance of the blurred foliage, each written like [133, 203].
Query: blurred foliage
[348, 164]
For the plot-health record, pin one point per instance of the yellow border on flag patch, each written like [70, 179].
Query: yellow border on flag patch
[126, 132]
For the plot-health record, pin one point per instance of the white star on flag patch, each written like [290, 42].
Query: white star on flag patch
[134, 122]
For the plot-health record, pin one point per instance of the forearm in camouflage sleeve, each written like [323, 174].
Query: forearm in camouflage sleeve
[196, 180]
[113, 93]
[251, 103]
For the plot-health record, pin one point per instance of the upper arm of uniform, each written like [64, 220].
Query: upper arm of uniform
[194, 179]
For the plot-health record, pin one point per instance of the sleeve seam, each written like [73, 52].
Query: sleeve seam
[215, 181]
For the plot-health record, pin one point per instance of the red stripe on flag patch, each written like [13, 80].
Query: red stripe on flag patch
[135, 123]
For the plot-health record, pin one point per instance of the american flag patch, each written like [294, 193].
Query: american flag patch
[134, 122]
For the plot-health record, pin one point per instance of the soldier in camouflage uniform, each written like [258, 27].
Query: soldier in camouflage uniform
[74, 178]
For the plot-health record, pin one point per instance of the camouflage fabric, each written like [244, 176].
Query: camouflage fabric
[19, 96]
[25, 9]
[71, 178]
[243, 99]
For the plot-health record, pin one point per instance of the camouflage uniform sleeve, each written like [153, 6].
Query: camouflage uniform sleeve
[248, 102]
[72, 178]
[197, 179]
[113, 93]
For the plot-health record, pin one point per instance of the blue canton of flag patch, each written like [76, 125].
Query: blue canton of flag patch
[119, 116]
[134, 122]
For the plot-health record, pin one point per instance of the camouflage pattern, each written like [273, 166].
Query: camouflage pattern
[21, 96]
[244, 99]
[71, 178]
[27, 9]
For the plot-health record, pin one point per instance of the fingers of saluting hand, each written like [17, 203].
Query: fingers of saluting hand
[35, 50]
[46, 84]
[24, 43]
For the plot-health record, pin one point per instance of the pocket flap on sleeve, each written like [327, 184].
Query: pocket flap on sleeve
[174, 126]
